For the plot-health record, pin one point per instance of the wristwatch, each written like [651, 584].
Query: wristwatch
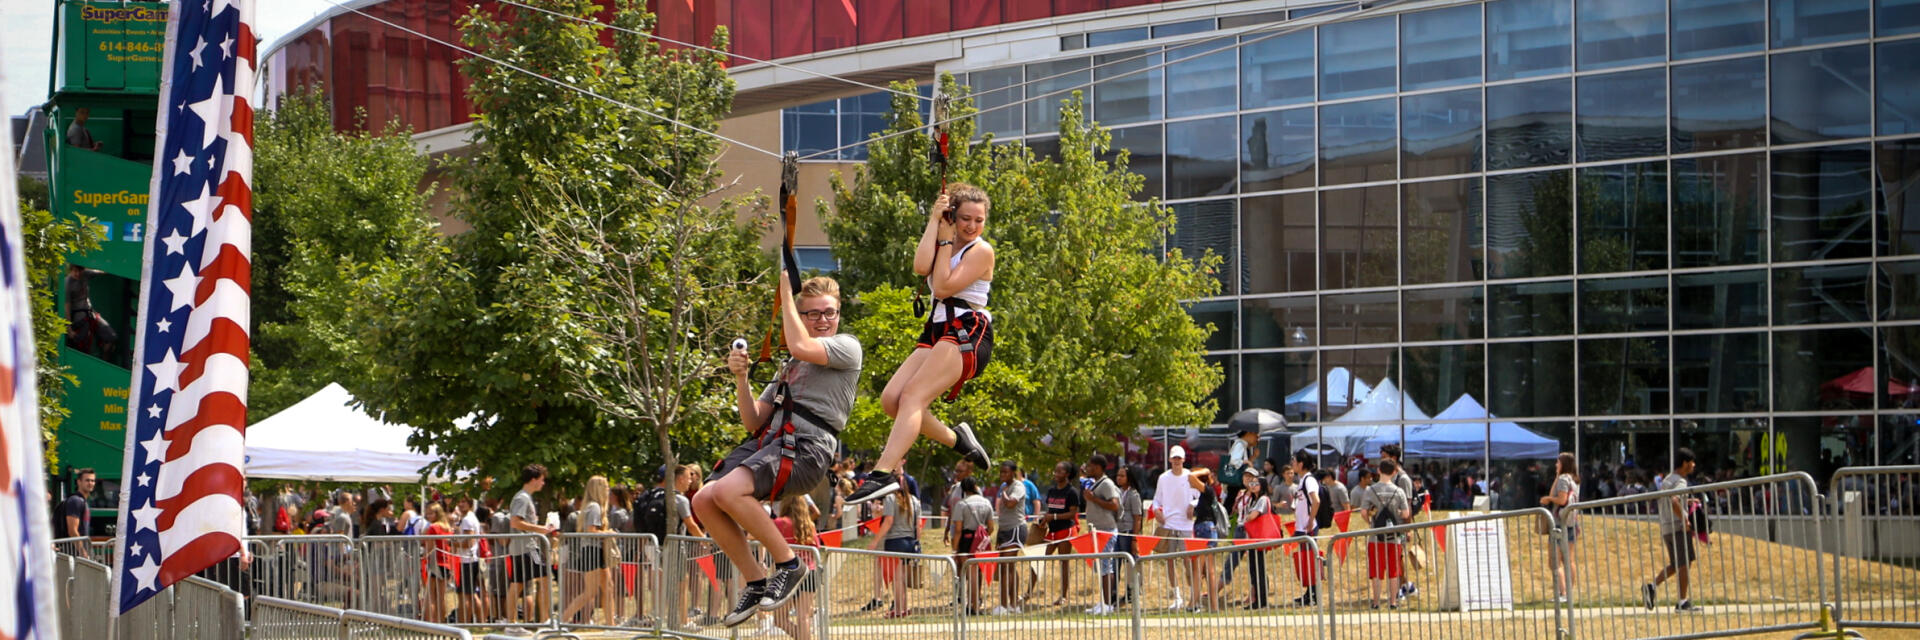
[943, 243]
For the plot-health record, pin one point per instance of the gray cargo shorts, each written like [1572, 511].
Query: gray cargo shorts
[767, 457]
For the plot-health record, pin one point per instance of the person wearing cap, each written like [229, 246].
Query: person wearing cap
[1174, 496]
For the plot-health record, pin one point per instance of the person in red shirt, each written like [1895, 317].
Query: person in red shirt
[438, 565]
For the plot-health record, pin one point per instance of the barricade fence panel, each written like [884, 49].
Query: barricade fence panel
[1236, 589]
[356, 625]
[1876, 570]
[316, 569]
[151, 620]
[83, 597]
[867, 593]
[204, 609]
[462, 580]
[1721, 558]
[1477, 576]
[606, 580]
[1027, 593]
[281, 619]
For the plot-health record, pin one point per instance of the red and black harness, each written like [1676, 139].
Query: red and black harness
[975, 348]
[779, 423]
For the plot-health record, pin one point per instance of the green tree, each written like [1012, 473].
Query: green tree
[328, 209]
[1092, 335]
[573, 200]
[48, 243]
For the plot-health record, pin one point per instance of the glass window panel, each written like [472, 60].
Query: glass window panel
[1898, 108]
[1822, 203]
[1623, 217]
[1201, 159]
[1116, 36]
[1900, 290]
[860, 118]
[1360, 318]
[1356, 58]
[1278, 239]
[1144, 157]
[1075, 41]
[1221, 314]
[1894, 17]
[1530, 379]
[993, 89]
[1274, 323]
[1623, 376]
[1251, 19]
[1359, 238]
[1727, 449]
[1623, 304]
[1273, 377]
[1440, 48]
[1821, 95]
[1803, 22]
[1280, 150]
[1899, 171]
[1623, 115]
[1704, 28]
[1720, 105]
[1720, 373]
[1228, 393]
[1453, 313]
[1437, 375]
[1208, 226]
[1617, 33]
[1529, 125]
[1363, 370]
[1900, 367]
[1204, 84]
[1528, 310]
[1720, 299]
[1530, 224]
[1343, 7]
[1182, 28]
[1805, 361]
[1440, 133]
[1043, 114]
[1719, 214]
[1133, 96]
[1357, 142]
[1277, 71]
[1624, 454]
[1527, 38]
[1821, 295]
[1898, 438]
[1045, 148]
[1442, 231]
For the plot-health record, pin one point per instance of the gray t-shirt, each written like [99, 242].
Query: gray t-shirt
[1404, 481]
[590, 519]
[1565, 484]
[1102, 518]
[340, 522]
[79, 136]
[683, 509]
[521, 507]
[1010, 506]
[620, 520]
[500, 523]
[826, 391]
[1131, 511]
[1338, 494]
[972, 513]
[1671, 521]
[1384, 496]
[903, 525]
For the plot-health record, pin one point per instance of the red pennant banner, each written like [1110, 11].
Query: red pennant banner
[1083, 544]
[1194, 544]
[870, 527]
[1440, 537]
[1290, 529]
[1145, 545]
[1343, 519]
[832, 538]
[1340, 547]
[706, 567]
[986, 568]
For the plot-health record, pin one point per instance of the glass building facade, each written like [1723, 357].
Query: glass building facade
[1623, 226]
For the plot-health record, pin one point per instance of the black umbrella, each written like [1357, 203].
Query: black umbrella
[1256, 420]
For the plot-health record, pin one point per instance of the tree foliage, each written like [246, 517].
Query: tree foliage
[329, 209]
[1093, 339]
[48, 243]
[572, 199]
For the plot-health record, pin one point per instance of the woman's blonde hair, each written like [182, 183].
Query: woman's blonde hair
[820, 286]
[802, 513]
[435, 514]
[960, 193]
[596, 494]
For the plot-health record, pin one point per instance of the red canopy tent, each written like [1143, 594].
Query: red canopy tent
[1861, 383]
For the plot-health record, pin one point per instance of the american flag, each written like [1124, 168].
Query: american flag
[181, 498]
[26, 567]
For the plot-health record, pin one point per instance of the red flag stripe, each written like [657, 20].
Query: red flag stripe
[209, 480]
[216, 410]
[199, 553]
[224, 337]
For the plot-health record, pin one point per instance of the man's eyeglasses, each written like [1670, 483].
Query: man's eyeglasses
[823, 314]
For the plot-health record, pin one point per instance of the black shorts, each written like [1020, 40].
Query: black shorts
[497, 567]
[1679, 549]
[527, 567]
[588, 557]
[979, 334]
[966, 543]
[470, 581]
[1011, 536]
[813, 452]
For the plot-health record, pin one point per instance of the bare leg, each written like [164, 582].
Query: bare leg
[513, 601]
[733, 513]
[938, 371]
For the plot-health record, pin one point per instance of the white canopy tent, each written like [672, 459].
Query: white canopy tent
[323, 438]
[1372, 423]
[1342, 387]
[1495, 438]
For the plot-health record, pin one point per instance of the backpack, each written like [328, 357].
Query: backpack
[650, 513]
[1324, 517]
[1385, 517]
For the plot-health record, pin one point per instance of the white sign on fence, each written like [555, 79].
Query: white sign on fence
[1478, 575]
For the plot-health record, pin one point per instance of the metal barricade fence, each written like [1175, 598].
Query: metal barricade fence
[374, 626]
[316, 569]
[151, 620]
[1223, 589]
[1478, 576]
[880, 593]
[101, 551]
[696, 588]
[1745, 554]
[1876, 569]
[607, 580]
[281, 619]
[1037, 595]
[77, 546]
[461, 580]
[207, 610]
[82, 592]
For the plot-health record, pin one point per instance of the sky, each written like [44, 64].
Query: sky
[26, 48]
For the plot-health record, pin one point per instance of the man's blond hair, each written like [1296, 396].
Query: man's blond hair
[820, 286]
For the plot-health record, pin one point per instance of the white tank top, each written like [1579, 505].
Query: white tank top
[975, 294]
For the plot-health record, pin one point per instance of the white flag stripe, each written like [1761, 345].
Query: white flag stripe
[221, 442]
[199, 519]
[230, 228]
[200, 322]
[224, 373]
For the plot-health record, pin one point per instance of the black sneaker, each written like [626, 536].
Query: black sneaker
[749, 604]
[1646, 595]
[1686, 606]
[969, 446]
[872, 605]
[878, 484]
[782, 586]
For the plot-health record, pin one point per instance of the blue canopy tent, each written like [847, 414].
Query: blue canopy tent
[1497, 440]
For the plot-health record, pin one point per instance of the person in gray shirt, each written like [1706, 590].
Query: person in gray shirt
[77, 133]
[972, 517]
[1675, 531]
[529, 562]
[1102, 498]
